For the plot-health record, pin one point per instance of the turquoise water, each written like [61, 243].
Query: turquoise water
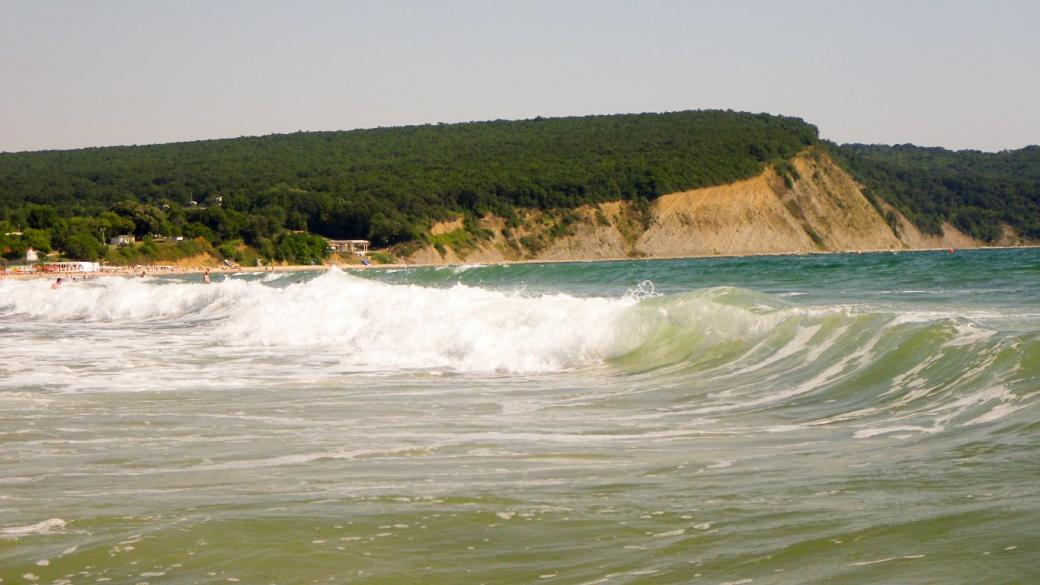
[806, 419]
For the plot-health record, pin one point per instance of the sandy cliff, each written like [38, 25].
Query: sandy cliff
[811, 205]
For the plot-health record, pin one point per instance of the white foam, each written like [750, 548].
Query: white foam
[128, 334]
[868, 433]
[676, 532]
[355, 322]
[968, 334]
[367, 323]
[43, 527]
[885, 560]
[795, 345]
[996, 413]
[107, 299]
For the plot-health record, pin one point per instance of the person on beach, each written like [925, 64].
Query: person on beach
[205, 277]
[57, 283]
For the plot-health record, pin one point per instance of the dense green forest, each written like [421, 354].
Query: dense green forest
[386, 185]
[975, 191]
[267, 197]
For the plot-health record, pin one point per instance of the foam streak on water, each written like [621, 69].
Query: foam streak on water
[831, 419]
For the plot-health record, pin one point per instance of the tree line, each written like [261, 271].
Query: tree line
[386, 185]
[266, 197]
[973, 190]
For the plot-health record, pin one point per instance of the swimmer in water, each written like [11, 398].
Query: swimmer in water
[57, 283]
[205, 277]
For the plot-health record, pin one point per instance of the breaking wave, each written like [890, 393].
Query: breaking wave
[409, 326]
[922, 370]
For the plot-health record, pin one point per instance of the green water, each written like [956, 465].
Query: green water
[823, 419]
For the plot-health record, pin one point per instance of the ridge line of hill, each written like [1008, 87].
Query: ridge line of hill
[268, 198]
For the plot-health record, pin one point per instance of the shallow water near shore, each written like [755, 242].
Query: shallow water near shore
[865, 418]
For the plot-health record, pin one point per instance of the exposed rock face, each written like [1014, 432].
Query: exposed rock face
[746, 217]
[951, 237]
[814, 206]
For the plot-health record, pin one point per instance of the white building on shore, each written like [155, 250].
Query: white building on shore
[355, 247]
[72, 266]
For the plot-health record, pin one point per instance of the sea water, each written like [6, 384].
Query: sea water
[865, 418]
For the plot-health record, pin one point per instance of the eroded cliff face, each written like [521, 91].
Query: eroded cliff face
[812, 205]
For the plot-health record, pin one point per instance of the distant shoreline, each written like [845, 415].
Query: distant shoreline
[150, 270]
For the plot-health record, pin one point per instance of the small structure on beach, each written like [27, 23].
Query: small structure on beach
[18, 269]
[71, 266]
[31, 255]
[356, 247]
[122, 240]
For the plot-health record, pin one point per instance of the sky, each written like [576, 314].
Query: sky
[957, 74]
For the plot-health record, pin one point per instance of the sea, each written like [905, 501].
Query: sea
[838, 419]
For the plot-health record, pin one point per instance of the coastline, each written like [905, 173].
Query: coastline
[152, 270]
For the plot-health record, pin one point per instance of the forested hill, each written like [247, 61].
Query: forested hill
[386, 184]
[975, 191]
[389, 185]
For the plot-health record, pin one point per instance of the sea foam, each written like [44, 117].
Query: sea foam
[365, 322]
[360, 322]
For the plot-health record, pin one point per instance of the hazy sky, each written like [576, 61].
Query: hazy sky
[959, 74]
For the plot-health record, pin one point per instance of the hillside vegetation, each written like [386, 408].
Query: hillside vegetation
[266, 197]
[389, 184]
[975, 191]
